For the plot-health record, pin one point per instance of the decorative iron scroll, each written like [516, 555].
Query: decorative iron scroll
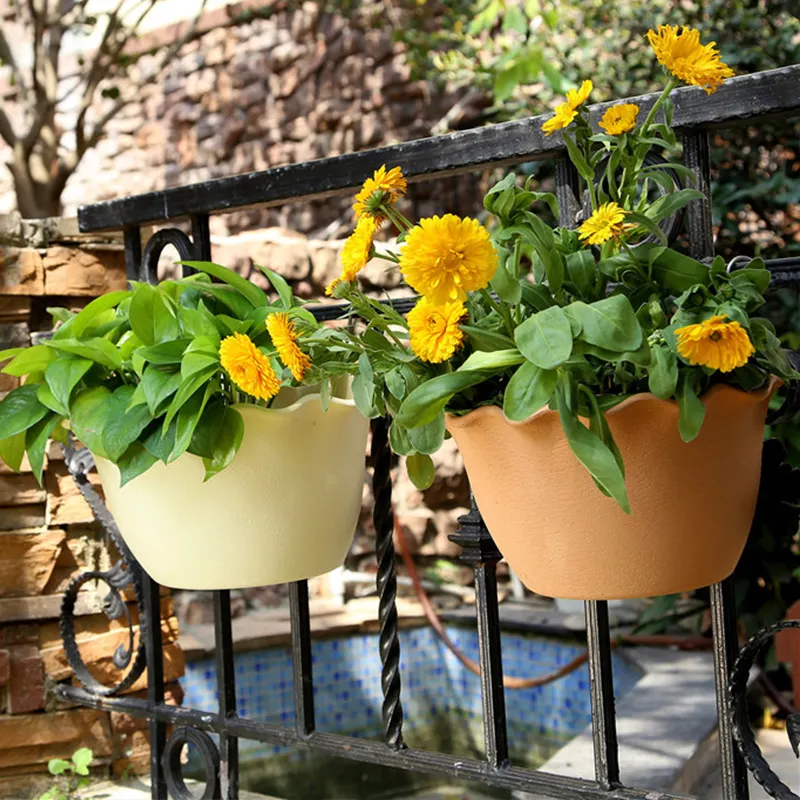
[124, 573]
[742, 732]
[173, 768]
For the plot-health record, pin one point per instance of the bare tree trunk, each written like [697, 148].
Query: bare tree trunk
[35, 199]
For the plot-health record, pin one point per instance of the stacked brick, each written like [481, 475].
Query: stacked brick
[48, 534]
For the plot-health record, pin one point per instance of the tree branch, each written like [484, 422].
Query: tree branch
[7, 130]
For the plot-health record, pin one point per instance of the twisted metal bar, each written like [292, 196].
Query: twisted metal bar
[383, 517]
[742, 732]
[124, 573]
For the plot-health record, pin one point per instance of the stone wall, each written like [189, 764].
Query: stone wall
[300, 84]
[48, 534]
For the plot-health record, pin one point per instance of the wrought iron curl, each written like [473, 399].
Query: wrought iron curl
[156, 245]
[124, 573]
[173, 770]
[383, 517]
[742, 732]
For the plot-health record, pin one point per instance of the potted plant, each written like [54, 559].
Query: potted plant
[607, 392]
[213, 416]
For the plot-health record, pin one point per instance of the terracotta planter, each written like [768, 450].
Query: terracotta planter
[285, 509]
[692, 503]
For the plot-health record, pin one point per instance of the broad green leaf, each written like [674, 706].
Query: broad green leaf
[123, 424]
[47, 398]
[161, 444]
[100, 351]
[647, 224]
[692, 411]
[399, 441]
[187, 419]
[157, 385]
[396, 383]
[529, 389]
[508, 288]
[577, 158]
[31, 359]
[663, 372]
[187, 388]
[591, 451]
[88, 415]
[675, 271]
[199, 323]
[667, 205]
[226, 439]
[483, 339]
[421, 470]
[250, 291]
[82, 758]
[76, 327]
[11, 352]
[63, 375]
[12, 450]
[20, 409]
[545, 338]
[132, 463]
[280, 285]
[429, 399]
[36, 439]
[198, 361]
[57, 766]
[165, 353]
[494, 359]
[128, 343]
[581, 271]
[364, 396]
[610, 323]
[537, 296]
[151, 317]
[759, 278]
[428, 438]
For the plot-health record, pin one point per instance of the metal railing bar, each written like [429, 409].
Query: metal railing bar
[133, 253]
[724, 630]
[226, 689]
[301, 657]
[352, 748]
[201, 237]
[601, 681]
[772, 92]
[151, 625]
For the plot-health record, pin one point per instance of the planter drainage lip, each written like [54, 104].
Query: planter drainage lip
[463, 420]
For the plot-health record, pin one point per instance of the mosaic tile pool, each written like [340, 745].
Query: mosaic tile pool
[441, 698]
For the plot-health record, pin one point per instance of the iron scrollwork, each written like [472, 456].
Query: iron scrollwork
[171, 762]
[743, 733]
[126, 572]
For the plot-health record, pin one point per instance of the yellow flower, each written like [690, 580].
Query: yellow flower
[356, 252]
[382, 189]
[248, 367]
[604, 224]
[577, 97]
[687, 59]
[562, 117]
[619, 119]
[434, 330]
[284, 337]
[445, 257]
[715, 343]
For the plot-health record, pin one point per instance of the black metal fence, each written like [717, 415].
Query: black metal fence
[749, 100]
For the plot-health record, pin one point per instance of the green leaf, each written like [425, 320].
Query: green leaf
[6, 355]
[508, 287]
[692, 410]
[100, 351]
[364, 396]
[610, 323]
[47, 398]
[280, 285]
[493, 359]
[151, 317]
[759, 278]
[187, 388]
[591, 451]
[20, 409]
[663, 373]
[668, 204]
[675, 271]
[545, 338]
[529, 389]
[57, 766]
[63, 375]
[581, 271]
[483, 339]
[161, 444]
[187, 420]
[157, 385]
[250, 291]
[124, 424]
[36, 439]
[31, 359]
[199, 323]
[428, 438]
[537, 296]
[225, 442]
[165, 353]
[132, 463]
[88, 416]
[196, 360]
[399, 441]
[429, 399]
[82, 758]
[76, 327]
[647, 224]
[12, 450]
[577, 158]
[421, 470]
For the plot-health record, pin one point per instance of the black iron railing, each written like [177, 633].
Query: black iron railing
[748, 99]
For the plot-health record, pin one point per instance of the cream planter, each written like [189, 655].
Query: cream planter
[284, 510]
